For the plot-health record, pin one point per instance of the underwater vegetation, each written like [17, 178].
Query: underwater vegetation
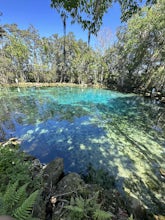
[122, 133]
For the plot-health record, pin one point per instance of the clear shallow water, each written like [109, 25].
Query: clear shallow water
[125, 134]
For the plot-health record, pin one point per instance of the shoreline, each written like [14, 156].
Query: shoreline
[156, 96]
[34, 84]
[68, 187]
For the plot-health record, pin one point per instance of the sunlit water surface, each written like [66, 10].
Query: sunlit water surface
[122, 133]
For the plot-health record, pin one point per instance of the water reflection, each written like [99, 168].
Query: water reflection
[122, 133]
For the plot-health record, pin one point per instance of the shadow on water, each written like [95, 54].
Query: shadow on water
[124, 135]
[144, 144]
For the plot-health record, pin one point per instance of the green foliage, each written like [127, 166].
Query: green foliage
[16, 202]
[18, 190]
[13, 168]
[17, 49]
[20, 196]
[76, 208]
[137, 59]
[90, 13]
[10, 197]
[24, 211]
[87, 208]
[134, 62]
[101, 215]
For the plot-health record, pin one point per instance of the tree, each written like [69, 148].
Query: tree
[18, 52]
[136, 61]
[145, 46]
[115, 58]
[89, 13]
[103, 40]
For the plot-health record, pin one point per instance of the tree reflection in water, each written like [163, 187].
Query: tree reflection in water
[121, 133]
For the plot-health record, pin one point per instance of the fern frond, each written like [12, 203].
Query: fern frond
[72, 201]
[75, 212]
[92, 201]
[74, 209]
[9, 197]
[20, 195]
[80, 202]
[24, 211]
[10, 191]
[102, 215]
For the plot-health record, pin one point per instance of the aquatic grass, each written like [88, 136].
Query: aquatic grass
[121, 133]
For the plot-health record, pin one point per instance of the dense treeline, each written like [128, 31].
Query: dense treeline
[137, 60]
[134, 62]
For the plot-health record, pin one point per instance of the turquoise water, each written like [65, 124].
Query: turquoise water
[122, 133]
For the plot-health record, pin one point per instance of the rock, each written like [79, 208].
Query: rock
[69, 183]
[163, 100]
[36, 167]
[51, 175]
[136, 208]
[53, 172]
[159, 217]
[12, 141]
[156, 94]
[159, 94]
[37, 164]
[147, 94]
[61, 194]
[69, 186]
[162, 172]
[28, 157]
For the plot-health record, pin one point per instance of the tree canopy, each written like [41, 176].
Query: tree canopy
[139, 54]
[89, 13]
[134, 62]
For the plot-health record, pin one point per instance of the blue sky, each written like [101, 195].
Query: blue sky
[46, 20]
